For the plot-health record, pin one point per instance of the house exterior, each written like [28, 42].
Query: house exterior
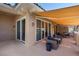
[18, 22]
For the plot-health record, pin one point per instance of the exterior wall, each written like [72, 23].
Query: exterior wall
[29, 28]
[7, 27]
[30, 23]
[8, 30]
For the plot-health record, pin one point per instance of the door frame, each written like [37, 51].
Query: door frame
[20, 19]
[47, 21]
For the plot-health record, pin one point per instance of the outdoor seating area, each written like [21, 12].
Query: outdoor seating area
[27, 29]
[55, 41]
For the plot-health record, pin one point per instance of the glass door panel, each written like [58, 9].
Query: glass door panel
[38, 35]
[42, 29]
[38, 30]
[23, 29]
[49, 29]
[18, 30]
[39, 24]
[42, 34]
[46, 30]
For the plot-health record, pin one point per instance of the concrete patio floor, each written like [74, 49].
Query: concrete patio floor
[14, 48]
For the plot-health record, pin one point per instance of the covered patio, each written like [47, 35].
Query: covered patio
[15, 48]
[12, 28]
[65, 17]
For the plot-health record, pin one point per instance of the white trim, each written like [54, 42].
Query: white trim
[44, 29]
[35, 30]
[16, 29]
[20, 19]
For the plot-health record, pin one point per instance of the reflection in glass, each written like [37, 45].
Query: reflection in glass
[49, 29]
[42, 34]
[46, 30]
[42, 24]
[38, 23]
[23, 30]
[38, 35]
[18, 30]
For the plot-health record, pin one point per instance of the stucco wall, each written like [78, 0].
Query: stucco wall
[29, 28]
[7, 27]
[8, 24]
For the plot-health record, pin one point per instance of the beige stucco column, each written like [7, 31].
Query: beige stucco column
[29, 30]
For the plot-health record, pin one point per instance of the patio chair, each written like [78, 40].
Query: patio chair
[58, 38]
[51, 44]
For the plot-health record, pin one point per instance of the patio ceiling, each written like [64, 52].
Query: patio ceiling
[64, 16]
[5, 9]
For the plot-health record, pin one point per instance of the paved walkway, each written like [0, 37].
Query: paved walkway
[13, 48]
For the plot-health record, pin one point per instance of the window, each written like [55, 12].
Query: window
[43, 29]
[42, 24]
[46, 30]
[38, 24]
[49, 29]
[38, 35]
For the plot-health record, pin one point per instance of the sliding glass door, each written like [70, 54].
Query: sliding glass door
[43, 29]
[21, 29]
[38, 30]
[49, 29]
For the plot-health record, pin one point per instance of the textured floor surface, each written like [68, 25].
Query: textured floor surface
[14, 48]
